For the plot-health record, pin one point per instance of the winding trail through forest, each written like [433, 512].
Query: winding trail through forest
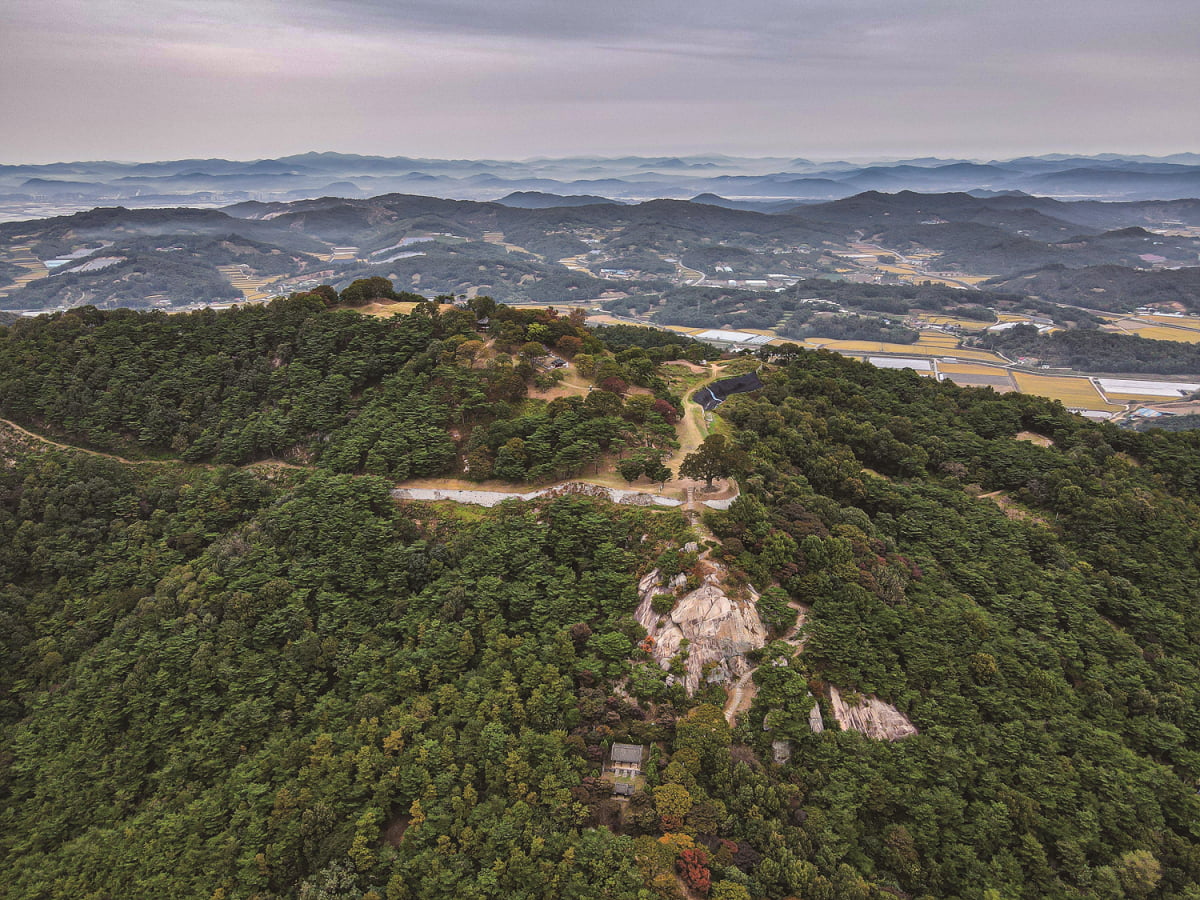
[693, 426]
[42, 439]
[741, 697]
[690, 432]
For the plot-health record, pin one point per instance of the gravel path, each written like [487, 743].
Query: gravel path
[493, 498]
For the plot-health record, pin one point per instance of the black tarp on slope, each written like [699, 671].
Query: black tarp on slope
[715, 394]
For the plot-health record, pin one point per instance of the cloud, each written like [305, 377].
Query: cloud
[542, 76]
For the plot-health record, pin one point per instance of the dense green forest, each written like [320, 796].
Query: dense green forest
[1166, 423]
[1110, 287]
[1051, 657]
[809, 321]
[134, 281]
[717, 307]
[226, 682]
[400, 397]
[219, 687]
[1096, 351]
[489, 268]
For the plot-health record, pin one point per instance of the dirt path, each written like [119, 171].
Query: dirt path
[790, 636]
[693, 428]
[45, 440]
[42, 439]
[740, 698]
[744, 690]
[572, 385]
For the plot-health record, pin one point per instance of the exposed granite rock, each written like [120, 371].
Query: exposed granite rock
[872, 717]
[718, 628]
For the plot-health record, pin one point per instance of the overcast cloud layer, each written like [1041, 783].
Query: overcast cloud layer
[133, 79]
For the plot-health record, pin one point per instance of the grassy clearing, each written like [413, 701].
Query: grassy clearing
[385, 309]
[1034, 438]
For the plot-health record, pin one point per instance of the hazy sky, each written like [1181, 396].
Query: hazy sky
[159, 79]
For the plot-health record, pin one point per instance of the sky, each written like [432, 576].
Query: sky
[513, 79]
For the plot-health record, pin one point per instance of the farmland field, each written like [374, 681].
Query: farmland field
[1140, 389]
[917, 349]
[1159, 328]
[970, 369]
[1073, 391]
[976, 375]
[1192, 322]
[934, 339]
[250, 286]
[1163, 333]
[23, 257]
[964, 324]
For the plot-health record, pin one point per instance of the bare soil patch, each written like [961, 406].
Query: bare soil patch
[1034, 438]
[687, 364]
[1012, 510]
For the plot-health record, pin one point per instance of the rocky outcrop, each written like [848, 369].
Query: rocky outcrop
[719, 628]
[872, 717]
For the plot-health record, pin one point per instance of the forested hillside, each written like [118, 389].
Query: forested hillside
[1033, 609]
[402, 397]
[1098, 351]
[224, 682]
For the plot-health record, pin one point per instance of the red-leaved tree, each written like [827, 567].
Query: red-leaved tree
[693, 869]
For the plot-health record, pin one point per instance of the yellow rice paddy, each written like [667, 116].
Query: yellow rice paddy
[901, 349]
[964, 324]
[23, 257]
[1074, 392]
[935, 339]
[249, 285]
[1192, 322]
[1162, 333]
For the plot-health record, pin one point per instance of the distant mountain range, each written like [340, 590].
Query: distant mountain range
[541, 247]
[27, 189]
